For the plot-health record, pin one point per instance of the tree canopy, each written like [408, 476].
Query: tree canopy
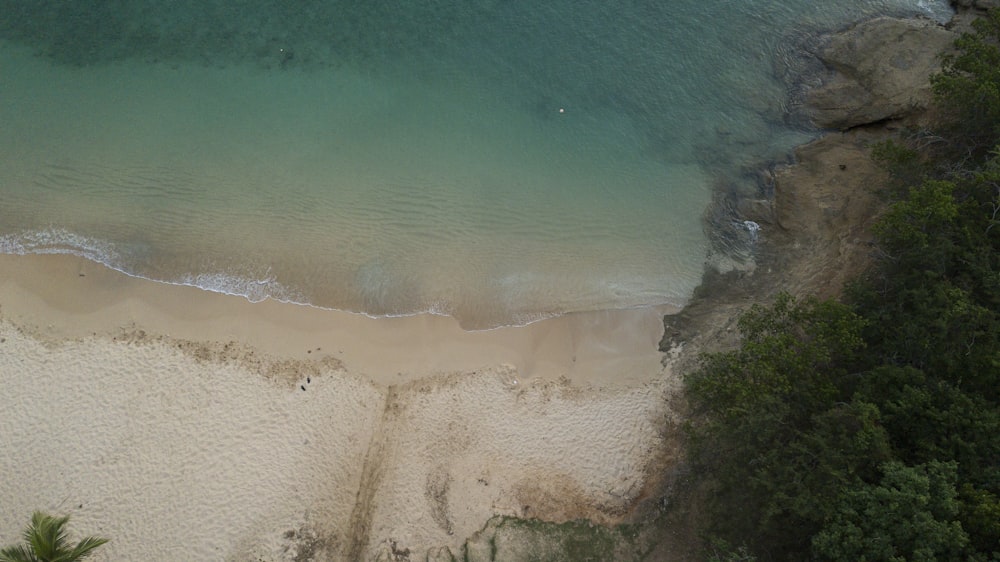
[869, 429]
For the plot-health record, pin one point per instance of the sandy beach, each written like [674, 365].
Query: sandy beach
[187, 425]
[570, 169]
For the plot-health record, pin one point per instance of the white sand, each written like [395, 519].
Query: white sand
[459, 449]
[201, 445]
[172, 458]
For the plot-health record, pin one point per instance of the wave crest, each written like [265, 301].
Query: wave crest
[129, 262]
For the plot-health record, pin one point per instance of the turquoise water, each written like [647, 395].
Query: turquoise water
[495, 160]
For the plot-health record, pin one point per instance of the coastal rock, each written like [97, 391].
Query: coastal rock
[881, 70]
[479, 547]
[820, 237]
[511, 539]
[826, 204]
[760, 211]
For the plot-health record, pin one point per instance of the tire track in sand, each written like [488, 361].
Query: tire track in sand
[372, 471]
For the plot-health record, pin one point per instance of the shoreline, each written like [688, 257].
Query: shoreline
[59, 297]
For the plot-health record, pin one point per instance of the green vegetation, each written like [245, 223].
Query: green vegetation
[869, 430]
[46, 541]
[533, 540]
[969, 86]
[573, 540]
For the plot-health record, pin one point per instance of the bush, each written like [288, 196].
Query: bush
[968, 87]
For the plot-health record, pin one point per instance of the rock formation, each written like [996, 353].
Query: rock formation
[815, 222]
[881, 70]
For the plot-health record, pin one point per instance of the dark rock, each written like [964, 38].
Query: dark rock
[757, 210]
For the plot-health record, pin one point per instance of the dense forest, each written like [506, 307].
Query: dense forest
[868, 429]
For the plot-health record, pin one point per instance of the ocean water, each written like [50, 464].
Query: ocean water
[499, 161]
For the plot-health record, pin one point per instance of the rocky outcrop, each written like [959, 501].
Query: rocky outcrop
[508, 539]
[880, 69]
[825, 205]
[815, 222]
[814, 238]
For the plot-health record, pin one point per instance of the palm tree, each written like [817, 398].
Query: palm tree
[46, 540]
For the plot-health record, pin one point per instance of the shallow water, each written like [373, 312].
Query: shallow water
[498, 161]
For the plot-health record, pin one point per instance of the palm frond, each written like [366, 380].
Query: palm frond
[46, 535]
[46, 542]
[83, 548]
[18, 553]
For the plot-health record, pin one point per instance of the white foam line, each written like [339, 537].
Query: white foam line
[64, 242]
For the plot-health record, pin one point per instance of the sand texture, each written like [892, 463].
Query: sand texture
[191, 426]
